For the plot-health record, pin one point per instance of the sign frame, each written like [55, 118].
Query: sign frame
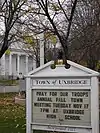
[94, 86]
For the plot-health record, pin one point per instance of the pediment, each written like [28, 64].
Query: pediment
[60, 70]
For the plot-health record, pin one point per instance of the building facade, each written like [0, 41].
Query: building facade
[16, 62]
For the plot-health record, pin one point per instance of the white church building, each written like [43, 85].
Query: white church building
[16, 62]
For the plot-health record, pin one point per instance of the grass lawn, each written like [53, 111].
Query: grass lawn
[12, 116]
[9, 82]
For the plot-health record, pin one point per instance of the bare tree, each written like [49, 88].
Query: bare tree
[10, 12]
[58, 19]
[85, 37]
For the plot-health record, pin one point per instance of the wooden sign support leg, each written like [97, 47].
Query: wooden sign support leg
[95, 105]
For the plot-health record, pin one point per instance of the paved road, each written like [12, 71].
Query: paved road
[21, 87]
[4, 89]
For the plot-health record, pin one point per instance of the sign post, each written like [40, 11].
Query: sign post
[64, 102]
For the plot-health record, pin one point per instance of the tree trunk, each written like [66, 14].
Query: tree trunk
[5, 44]
[4, 48]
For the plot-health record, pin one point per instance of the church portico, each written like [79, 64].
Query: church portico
[16, 63]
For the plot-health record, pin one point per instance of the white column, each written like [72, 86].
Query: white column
[10, 64]
[3, 65]
[18, 59]
[26, 64]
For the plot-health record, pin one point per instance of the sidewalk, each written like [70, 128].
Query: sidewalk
[4, 89]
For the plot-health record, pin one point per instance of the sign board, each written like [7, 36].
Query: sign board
[63, 103]
[64, 107]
